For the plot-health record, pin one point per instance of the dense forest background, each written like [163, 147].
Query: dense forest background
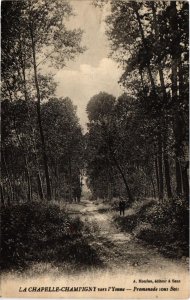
[136, 146]
[143, 135]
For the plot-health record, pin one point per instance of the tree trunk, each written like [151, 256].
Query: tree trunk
[167, 175]
[2, 196]
[184, 163]
[70, 181]
[123, 177]
[39, 180]
[160, 168]
[40, 189]
[160, 69]
[6, 193]
[164, 95]
[29, 192]
[29, 195]
[178, 177]
[38, 105]
[161, 184]
[11, 193]
[177, 144]
[157, 175]
[142, 80]
[153, 187]
[185, 181]
[176, 122]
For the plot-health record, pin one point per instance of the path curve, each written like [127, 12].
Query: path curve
[120, 250]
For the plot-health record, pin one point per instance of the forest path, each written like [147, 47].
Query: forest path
[124, 259]
[120, 250]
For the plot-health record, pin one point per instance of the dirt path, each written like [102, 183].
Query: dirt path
[120, 250]
[125, 262]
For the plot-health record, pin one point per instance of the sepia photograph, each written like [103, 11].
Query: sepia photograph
[94, 149]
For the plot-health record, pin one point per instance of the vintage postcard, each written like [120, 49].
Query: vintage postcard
[94, 140]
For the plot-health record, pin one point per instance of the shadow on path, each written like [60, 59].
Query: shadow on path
[120, 250]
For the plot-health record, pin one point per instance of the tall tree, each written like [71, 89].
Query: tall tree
[101, 110]
[41, 34]
[65, 147]
[150, 50]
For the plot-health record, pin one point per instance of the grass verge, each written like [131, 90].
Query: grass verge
[163, 224]
[41, 232]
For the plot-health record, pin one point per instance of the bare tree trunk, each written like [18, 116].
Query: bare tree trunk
[39, 180]
[167, 175]
[177, 156]
[40, 189]
[167, 170]
[157, 175]
[160, 69]
[176, 121]
[153, 187]
[184, 163]
[160, 168]
[29, 194]
[164, 95]
[2, 196]
[38, 105]
[11, 193]
[185, 181]
[70, 181]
